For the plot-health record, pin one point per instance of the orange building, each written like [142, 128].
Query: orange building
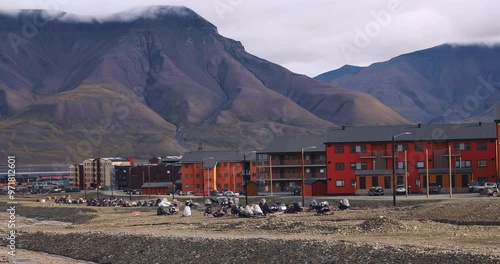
[217, 170]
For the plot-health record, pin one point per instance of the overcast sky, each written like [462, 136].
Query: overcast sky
[314, 36]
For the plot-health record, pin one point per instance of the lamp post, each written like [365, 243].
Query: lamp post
[245, 174]
[172, 184]
[302, 159]
[394, 180]
[203, 175]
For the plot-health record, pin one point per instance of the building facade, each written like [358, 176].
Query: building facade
[100, 172]
[220, 170]
[361, 157]
[280, 165]
[134, 177]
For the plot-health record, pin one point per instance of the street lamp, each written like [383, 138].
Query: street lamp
[203, 174]
[302, 162]
[394, 180]
[245, 174]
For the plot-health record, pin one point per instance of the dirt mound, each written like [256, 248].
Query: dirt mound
[383, 224]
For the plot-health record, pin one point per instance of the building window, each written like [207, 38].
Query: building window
[339, 166]
[198, 175]
[419, 147]
[322, 157]
[322, 170]
[353, 183]
[186, 165]
[186, 176]
[400, 165]
[466, 163]
[198, 186]
[308, 170]
[197, 165]
[461, 146]
[402, 147]
[225, 164]
[481, 145]
[225, 185]
[339, 183]
[358, 149]
[237, 164]
[225, 175]
[481, 163]
[358, 166]
[186, 186]
[420, 164]
[339, 149]
[218, 175]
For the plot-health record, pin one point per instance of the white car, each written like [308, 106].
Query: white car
[400, 189]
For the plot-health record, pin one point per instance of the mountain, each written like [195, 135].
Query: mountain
[152, 81]
[346, 70]
[447, 83]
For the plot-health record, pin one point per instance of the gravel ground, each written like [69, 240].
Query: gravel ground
[460, 230]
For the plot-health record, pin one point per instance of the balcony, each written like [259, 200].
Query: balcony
[292, 163]
[379, 154]
[294, 175]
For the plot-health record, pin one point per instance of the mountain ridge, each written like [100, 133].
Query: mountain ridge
[434, 85]
[155, 85]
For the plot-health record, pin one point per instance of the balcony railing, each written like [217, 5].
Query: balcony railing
[278, 163]
[295, 175]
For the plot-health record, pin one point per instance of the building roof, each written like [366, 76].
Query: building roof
[288, 144]
[227, 155]
[434, 132]
[156, 184]
[169, 158]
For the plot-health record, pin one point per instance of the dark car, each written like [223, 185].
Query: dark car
[296, 190]
[434, 188]
[376, 190]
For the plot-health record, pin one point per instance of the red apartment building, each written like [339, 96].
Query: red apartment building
[361, 157]
[222, 170]
[283, 158]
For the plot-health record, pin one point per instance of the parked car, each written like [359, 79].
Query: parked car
[473, 185]
[296, 190]
[376, 190]
[228, 194]
[400, 189]
[492, 191]
[487, 185]
[200, 193]
[434, 188]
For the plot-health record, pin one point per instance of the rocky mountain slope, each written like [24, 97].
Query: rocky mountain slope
[447, 83]
[160, 82]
